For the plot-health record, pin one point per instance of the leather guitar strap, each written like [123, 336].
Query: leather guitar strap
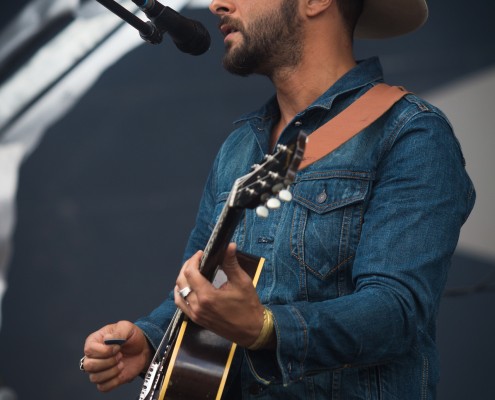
[349, 122]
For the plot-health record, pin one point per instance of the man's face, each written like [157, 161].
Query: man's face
[267, 38]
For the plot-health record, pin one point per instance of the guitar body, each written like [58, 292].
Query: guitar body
[200, 360]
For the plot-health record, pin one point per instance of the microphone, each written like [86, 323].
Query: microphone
[189, 36]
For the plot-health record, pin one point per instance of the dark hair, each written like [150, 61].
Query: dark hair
[350, 11]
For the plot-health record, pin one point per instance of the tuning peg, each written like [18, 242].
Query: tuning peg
[262, 211]
[285, 195]
[273, 203]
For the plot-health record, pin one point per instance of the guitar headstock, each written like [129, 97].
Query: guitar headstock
[269, 178]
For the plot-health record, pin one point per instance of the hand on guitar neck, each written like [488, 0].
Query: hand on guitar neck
[232, 311]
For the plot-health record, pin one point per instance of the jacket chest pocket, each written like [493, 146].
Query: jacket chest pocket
[327, 219]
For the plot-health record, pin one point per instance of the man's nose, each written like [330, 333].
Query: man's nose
[221, 7]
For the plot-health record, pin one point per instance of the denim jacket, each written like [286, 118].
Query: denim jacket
[356, 263]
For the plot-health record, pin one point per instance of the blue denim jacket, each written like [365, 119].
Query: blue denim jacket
[357, 262]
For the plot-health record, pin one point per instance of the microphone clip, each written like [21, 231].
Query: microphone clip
[151, 35]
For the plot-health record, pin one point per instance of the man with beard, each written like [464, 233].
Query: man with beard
[355, 265]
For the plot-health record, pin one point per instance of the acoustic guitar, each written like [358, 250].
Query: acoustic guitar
[192, 363]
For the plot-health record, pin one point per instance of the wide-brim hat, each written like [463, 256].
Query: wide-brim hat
[389, 18]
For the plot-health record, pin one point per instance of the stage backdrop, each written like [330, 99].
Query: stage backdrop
[102, 163]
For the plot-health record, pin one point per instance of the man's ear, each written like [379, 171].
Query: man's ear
[315, 7]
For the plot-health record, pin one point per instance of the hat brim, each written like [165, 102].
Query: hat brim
[388, 18]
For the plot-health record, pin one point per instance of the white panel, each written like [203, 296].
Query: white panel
[469, 105]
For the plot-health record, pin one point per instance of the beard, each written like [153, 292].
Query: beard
[271, 42]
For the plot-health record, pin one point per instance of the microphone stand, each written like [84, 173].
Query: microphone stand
[147, 30]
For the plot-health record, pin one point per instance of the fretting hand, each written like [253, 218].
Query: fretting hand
[232, 311]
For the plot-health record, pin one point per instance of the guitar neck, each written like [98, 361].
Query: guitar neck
[219, 240]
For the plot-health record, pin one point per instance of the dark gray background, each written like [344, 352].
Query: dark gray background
[106, 202]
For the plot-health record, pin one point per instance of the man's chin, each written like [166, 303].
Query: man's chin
[237, 69]
[238, 61]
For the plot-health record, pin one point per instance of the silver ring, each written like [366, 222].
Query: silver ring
[184, 292]
[81, 364]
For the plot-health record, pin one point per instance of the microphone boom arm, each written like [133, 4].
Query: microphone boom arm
[147, 30]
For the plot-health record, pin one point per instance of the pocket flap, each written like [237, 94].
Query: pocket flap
[326, 191]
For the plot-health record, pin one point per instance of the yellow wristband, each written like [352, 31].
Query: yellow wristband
[266, 331]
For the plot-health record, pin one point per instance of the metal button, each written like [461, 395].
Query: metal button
[321, 197]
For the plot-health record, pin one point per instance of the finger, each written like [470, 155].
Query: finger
[95, 347]
[124, 332]
[181, 278]
[182, 283]
[193, 276]
[231, 268]
[192, 263]
[121, 330]
[112, 383]
[230, 258]
[95, 365]
[181, 302]
[106, 374]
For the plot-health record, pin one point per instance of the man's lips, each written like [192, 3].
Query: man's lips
[227, 30]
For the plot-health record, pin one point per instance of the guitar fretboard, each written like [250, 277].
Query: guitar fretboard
[219, 238]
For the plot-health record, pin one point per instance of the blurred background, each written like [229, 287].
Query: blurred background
[105, 143]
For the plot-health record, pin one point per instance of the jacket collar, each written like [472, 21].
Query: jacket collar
[366, 72]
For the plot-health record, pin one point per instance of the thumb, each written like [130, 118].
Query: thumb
[119, 332]
[231, 266]
[125, 336]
